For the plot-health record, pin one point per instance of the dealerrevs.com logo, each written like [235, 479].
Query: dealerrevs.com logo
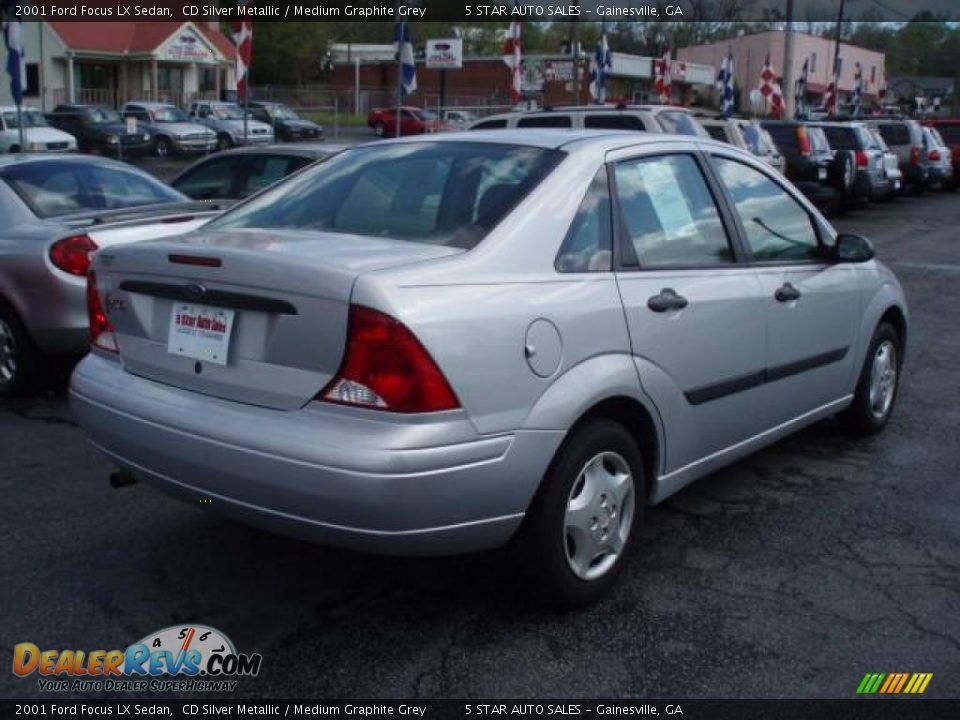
[191, 658]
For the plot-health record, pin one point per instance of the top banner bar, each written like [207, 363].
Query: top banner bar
[609, 11]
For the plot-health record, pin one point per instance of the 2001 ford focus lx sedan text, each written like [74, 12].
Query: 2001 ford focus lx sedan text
[445, 345]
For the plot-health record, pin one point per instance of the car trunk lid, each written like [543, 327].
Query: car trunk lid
[279, 299]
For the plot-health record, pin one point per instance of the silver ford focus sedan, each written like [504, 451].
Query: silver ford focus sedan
[440, 345]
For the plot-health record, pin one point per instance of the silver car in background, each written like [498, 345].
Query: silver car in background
[445, 344]
[171, 130]
[227, 121]
[56, 210]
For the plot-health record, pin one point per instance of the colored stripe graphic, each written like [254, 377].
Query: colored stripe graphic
[894, 683]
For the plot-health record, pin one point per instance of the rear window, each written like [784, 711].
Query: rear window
[950, 134]
[52, 188]
[895, 133]
[490, 124]
[840, 138]
[757, 139]
[545, 121]
[818, 140]
[612, 121]
[439, 193]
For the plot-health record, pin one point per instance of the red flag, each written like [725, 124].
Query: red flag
[663, 71]
[243, 37]
[513, 57]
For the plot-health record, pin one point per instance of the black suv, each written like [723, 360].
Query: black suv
[99, 129]
[870, 180]
[812, 165]
[287, 125]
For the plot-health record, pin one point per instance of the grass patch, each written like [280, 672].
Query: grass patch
[343, 119]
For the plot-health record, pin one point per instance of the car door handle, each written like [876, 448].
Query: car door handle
[666, 300]
[786, 293]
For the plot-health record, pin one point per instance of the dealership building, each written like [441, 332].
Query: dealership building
[110, 63]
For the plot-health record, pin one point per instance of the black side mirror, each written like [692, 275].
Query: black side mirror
[853, 248]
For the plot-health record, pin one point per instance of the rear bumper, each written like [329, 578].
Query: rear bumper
[332, 475]
[818, 192]
[872, 184]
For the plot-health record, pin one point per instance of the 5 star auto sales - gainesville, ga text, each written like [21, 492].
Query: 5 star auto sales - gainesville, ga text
[192, 658]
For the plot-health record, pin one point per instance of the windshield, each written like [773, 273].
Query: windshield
[680, 123]
[52, 188]
[31, 118]
[99, 116]
[425, 115]
[282, 112]
[440, 193]
[168, 114]
[227, 112]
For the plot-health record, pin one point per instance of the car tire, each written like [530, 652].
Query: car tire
[379, 129]
[846, 175]
[162, 147]
[224, 142]
[21, 363]
[586, 518]
[878, 385]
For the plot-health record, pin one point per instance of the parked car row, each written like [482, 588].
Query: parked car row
[156, 128]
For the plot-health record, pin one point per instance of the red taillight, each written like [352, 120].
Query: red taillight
[862, 159]
[72, 254]
[914, 155]
[804, 140]
[101, 331]
[385, 367]
[934, 155]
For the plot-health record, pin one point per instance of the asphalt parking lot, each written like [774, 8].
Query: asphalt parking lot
[790, 574]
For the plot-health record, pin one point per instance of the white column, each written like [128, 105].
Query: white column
[71, 92]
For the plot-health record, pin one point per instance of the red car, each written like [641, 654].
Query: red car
[413, 121]
[950, 132]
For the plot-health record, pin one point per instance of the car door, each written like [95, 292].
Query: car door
[694, 308]
[811, 304]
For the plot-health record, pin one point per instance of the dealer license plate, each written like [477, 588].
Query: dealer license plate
[200, 332]
[822, 173]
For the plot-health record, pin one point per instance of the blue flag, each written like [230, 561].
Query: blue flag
[725, 84]
[601, 65]
[403, 44]
[16, 69]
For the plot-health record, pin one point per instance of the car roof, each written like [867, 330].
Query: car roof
[13, 108]
[149, 103]
[552, 138]
[311, 150]
[7, 160]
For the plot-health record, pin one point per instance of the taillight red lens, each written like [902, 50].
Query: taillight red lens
[934, 155]
[804, 140]
[101, 331]
[914, 154]
[72, 254]
[862, 159]
[385, 367]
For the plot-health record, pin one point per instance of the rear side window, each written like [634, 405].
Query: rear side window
[545, 121]
[264, 170]
[777, 227]
[612, 121]
[895, 133]
[587, 246]
[718, 132]
[440, 193]
[670, 216]
[213, 180]
[757, 139]
[679, 123]
[490, 125]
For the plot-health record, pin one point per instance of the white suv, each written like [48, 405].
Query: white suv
[645, 118]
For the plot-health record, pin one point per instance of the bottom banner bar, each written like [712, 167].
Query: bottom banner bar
[860, 709]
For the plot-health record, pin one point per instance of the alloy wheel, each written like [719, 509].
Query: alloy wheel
[8, 353]
[883, 379]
